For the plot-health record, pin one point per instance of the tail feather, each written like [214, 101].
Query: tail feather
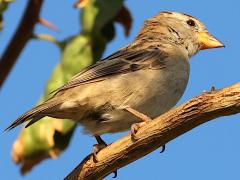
[33, 120]
[34, 114]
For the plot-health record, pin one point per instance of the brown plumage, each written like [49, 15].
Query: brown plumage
[35, 114]
[149, 75]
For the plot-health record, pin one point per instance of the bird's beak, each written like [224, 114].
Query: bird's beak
[208, 41]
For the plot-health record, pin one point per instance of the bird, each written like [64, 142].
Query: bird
[135, 84]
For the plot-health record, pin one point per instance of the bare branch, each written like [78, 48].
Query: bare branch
[196, 111]
[22, 35]
[48, 24]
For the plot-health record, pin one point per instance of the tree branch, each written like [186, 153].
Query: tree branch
[196, 111]
[22, 35]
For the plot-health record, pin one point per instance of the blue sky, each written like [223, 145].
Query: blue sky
[210, 151]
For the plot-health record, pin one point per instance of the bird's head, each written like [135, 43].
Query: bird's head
[181, 29]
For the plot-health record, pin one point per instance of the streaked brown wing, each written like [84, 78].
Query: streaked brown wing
[123, 61]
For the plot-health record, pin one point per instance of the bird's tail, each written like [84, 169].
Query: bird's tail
[35, 114]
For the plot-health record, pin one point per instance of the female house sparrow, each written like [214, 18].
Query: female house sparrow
[147, 76]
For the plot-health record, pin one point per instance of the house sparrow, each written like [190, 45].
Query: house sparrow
[138, 82]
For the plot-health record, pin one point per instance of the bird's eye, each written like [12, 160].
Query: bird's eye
[191, 22]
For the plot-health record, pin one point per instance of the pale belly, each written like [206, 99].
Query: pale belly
[151, 92]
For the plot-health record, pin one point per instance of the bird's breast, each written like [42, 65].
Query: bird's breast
[150, 91]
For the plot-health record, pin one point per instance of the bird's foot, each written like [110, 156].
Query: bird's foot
[114, 174]
[98, 147]
[135, 127]
[163, 148]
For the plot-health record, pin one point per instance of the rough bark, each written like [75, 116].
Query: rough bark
[196, 111]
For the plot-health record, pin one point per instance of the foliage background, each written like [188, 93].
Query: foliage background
[209, 152]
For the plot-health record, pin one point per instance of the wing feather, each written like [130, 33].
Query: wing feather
[123, 61]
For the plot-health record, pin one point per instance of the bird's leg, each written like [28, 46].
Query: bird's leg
[100, 140]
[138, 114]
[135, 127]
[98, 147]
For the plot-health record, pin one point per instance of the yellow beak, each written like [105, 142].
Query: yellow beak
[208, 41]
